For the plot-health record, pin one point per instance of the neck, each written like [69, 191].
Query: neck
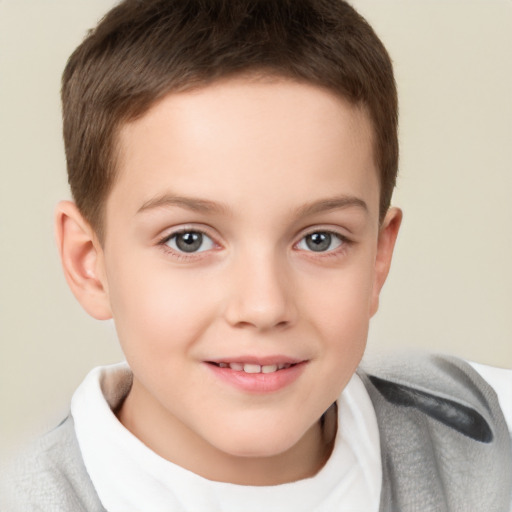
[175, 442]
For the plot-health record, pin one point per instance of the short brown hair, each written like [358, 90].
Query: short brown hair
[144, 49]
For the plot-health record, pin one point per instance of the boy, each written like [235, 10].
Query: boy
[232, 165]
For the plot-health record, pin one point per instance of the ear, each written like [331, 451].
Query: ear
[387, 237]
[82, 260]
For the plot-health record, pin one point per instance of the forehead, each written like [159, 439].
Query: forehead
[241, 139]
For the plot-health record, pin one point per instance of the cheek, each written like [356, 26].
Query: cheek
[340, 302]
[340, 311]
[157, 310]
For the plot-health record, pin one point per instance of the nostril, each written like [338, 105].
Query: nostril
[279, 325]
[243, 324]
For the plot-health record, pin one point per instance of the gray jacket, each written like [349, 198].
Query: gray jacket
[444, 442]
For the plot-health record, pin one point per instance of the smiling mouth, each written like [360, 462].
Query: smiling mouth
[254, 368]
[258, 375]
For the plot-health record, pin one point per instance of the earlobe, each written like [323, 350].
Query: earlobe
[387, 237]
[82, 260]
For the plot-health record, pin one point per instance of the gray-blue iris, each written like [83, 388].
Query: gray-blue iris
[319, 242]
[190, 241]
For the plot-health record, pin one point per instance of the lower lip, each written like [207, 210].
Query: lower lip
[259, 382]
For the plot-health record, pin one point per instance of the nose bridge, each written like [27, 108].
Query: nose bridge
[261, 290]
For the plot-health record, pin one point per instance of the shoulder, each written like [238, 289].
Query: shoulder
[49, 475]
[436, 413]
[410, 378]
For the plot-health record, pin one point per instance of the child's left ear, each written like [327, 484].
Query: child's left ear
[387, 237]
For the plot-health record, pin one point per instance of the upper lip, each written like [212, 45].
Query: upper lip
[260, 360]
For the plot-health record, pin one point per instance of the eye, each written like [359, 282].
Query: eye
[190, 241]
[320, 241]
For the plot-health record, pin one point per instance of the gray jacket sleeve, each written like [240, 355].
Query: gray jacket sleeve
[49, 477]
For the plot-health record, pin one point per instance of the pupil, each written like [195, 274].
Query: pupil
[318, 241]
[189, 242]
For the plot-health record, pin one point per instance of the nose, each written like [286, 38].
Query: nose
[261, 294]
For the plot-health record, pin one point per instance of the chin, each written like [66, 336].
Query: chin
[260, 441]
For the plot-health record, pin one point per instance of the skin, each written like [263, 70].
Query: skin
[256, 165]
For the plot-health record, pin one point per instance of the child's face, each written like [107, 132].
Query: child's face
[243, 229]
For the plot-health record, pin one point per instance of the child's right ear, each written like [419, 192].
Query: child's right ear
[82, 260]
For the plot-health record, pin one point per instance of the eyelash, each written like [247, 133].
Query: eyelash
[184, 256]
[344, 244]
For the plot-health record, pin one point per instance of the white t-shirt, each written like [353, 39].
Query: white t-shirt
[128, 476]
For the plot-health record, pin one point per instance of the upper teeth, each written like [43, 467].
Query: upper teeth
[255, 368]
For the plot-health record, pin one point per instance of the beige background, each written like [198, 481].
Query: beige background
[451, 285]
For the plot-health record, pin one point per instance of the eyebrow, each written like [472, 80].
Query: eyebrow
[333, 203]
[190, 203]
[207, 206]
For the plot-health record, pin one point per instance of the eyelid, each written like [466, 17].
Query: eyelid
[163, 240]
[324, 228]
[186, 228]
[172, 243]
[345, 240]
